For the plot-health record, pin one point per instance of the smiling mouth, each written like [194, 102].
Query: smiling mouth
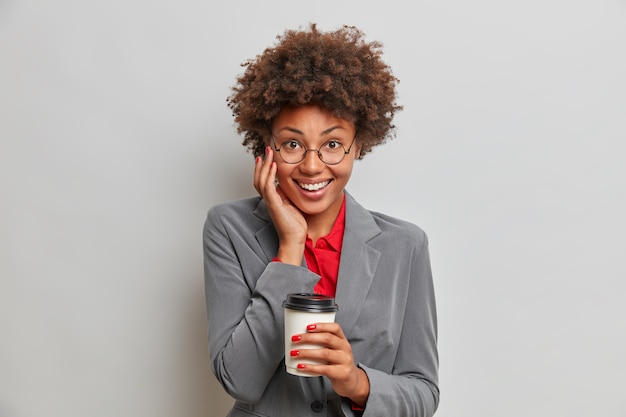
[314, 187]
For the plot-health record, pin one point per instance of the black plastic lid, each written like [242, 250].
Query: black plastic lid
[315, 303]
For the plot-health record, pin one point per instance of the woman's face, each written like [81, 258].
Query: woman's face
[311, 185]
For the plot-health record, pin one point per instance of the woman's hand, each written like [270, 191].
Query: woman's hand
[290, 224]
[347, 379]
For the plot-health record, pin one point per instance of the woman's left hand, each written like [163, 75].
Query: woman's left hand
[347, 379]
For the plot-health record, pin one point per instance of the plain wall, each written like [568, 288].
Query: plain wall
[115, 139]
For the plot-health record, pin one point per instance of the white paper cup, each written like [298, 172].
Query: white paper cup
[302, 309]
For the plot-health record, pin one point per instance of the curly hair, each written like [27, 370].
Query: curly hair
[337, 70]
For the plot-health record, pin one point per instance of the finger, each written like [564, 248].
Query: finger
[258, 164]
[269, 191]
[330, 367]
[323, 355]
[261, 172]
[326, 340]
[313, 369]
[333, 328]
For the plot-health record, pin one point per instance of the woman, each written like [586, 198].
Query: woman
[309, 107]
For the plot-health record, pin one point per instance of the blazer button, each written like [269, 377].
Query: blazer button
[317, 406]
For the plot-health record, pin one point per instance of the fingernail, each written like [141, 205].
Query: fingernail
[311, 327]
[267, 150]
[294, 352]
[296, 338]
[301, 366]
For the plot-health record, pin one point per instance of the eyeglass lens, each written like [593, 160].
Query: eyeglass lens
[331, 152]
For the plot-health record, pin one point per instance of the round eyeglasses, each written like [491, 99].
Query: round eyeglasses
[331, 153]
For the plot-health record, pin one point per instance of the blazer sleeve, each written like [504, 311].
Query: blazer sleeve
[412, 389]
[244, 297]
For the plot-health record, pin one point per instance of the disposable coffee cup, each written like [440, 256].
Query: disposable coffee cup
[302, 309]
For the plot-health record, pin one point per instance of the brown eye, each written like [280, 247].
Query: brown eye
[291, 146]
[333, 146]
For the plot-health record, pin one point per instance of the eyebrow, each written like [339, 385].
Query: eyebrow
[325, 132]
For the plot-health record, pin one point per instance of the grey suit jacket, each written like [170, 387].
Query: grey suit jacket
[386, 309]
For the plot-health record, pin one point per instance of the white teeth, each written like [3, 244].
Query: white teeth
[314, 187]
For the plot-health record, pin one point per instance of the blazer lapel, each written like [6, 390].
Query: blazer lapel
[358, 261]
[266, 236]
[358, 264]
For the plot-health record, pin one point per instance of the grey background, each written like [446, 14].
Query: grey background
[115, 140]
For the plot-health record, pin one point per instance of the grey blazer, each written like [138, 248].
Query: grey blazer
[386, 309]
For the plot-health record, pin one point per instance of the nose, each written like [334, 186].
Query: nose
[312, 163]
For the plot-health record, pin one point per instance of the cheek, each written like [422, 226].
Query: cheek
[282, 170]
[345, 172]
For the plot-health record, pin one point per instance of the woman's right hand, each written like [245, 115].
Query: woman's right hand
[288, 220]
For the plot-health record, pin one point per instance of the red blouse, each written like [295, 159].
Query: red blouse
[323, 259]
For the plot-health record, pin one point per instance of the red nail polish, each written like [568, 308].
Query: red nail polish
[301, 366]
[294, 352]
[267, 150]
[311, 327]
[296, 338]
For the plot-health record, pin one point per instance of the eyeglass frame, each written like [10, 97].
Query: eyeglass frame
[307, 150]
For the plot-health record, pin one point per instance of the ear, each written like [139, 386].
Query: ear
[357, 151]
